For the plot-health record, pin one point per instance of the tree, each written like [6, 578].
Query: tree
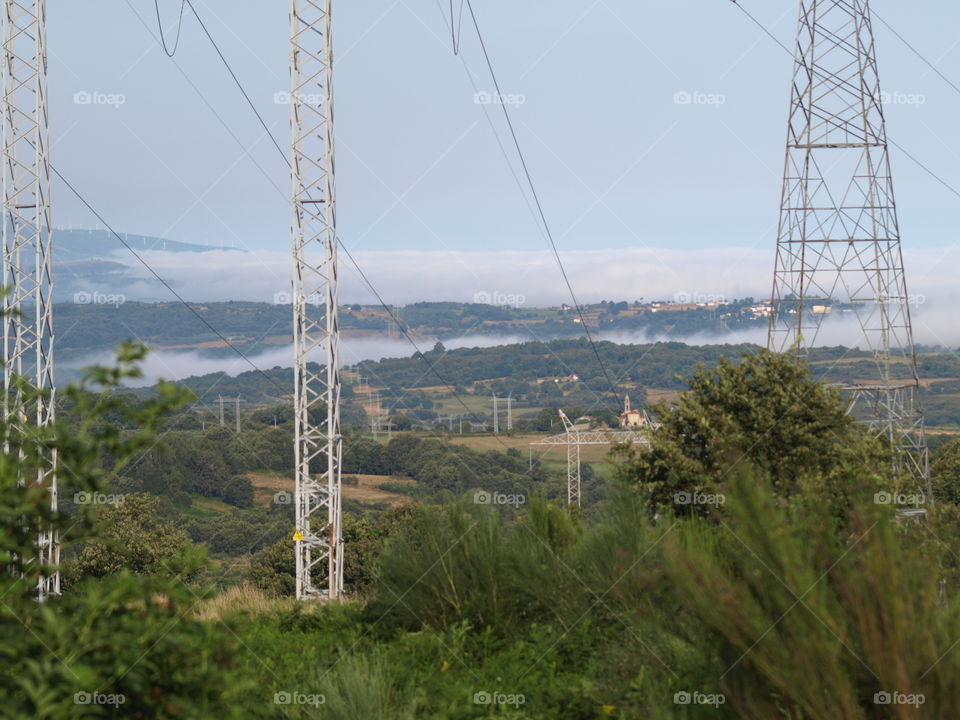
[273, 568]
[239, 492]
[174, 665]
[945, 473]
[767, 412]
[363, 455]
[401, 421]
[275, 415]
[132, 538]
[207, 471]
[546, 419]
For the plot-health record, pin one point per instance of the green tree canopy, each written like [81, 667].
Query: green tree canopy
[767, 412]
[945, 473]
[133, 537]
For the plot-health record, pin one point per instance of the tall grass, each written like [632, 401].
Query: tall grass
[360, 687]
[242, 599]
[466, 562]
[789, 611]
[814, 623]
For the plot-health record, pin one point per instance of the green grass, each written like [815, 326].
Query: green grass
[206, 507]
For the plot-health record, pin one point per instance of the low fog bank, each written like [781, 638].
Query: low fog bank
[933, 326]
[181, 364]
[529, 278]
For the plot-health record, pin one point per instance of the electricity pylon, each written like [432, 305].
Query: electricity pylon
[28, 305]
[318, 538]
[573, 438]
[838, 245]
[573, 461]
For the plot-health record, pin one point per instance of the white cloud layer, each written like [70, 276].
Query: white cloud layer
[532, 278]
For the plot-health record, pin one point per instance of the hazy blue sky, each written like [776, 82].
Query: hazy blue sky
[618, 162]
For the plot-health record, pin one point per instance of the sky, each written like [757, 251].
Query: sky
[654, 133]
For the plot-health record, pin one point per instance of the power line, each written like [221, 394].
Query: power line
[897, 145]
[760, 25]
[943, 77]
[203, 98]
[925, 168]
[340, 244]
[456, 23]
[536, 198]
[409, 337]
[456, 36]
[916, 52]
[496, 133]
[163, 40]
[167, 285]
[140, 259]
[237, 81]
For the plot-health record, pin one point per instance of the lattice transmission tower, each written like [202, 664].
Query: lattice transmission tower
[27, 275]
[318, 539]
[573, 438]
[838, 246]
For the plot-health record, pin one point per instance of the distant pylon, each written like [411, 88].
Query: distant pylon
[237, 402]
[573, 461]
[318, 538]
[27, 269]
[838, 245]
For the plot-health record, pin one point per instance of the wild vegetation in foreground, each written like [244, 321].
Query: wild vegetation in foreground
[751, 564]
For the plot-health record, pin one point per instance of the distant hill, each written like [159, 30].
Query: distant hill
[97, 323]
[85, 259]
[536, 376]
[83, 245]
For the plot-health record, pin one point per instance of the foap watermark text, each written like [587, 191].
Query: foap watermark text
[95, 297]
[699, 498]
[686, 97]
[498, 698]
[95, 97]
[298, 698]
[99, 698]
[493, 98]
[699, 698]
[97, 498]
[482, 497]
[500, 299]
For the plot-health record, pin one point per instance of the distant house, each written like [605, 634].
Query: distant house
[564, 379]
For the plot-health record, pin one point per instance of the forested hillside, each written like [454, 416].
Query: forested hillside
[562, 373]
[107, 320]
